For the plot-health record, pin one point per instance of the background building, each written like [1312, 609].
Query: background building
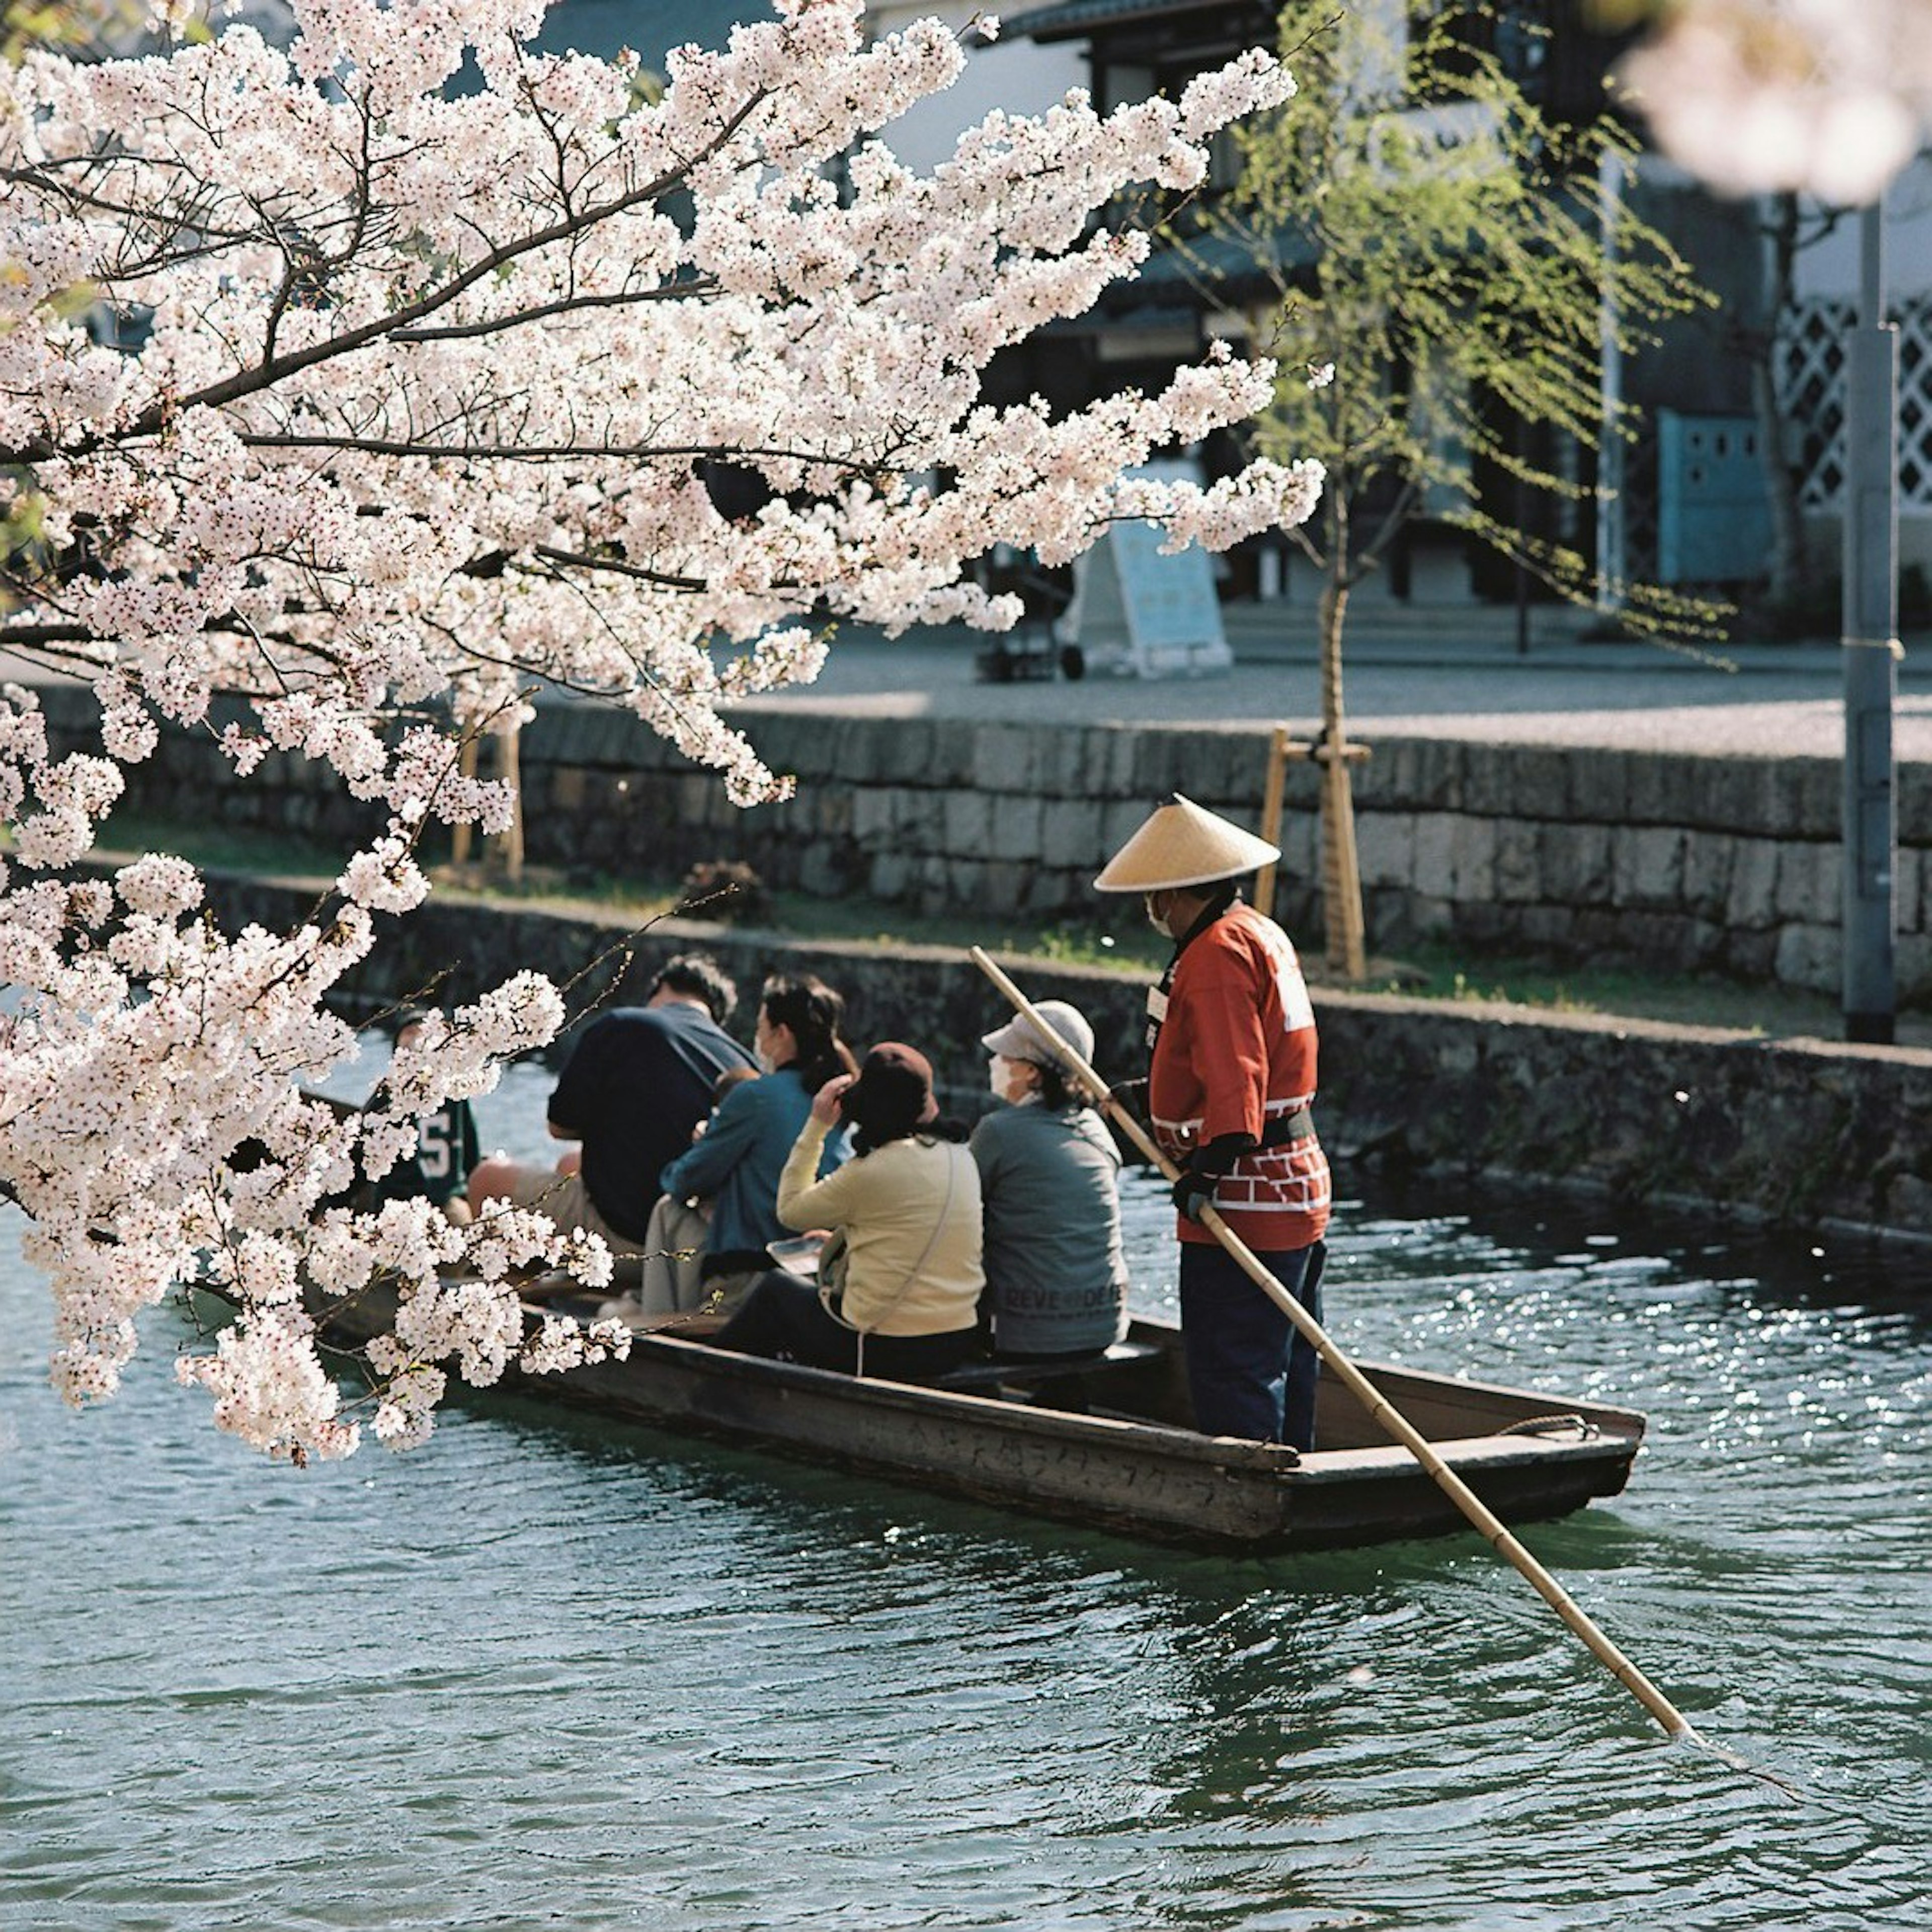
[1693, 505]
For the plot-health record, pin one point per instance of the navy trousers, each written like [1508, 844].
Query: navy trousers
[1248, 1370]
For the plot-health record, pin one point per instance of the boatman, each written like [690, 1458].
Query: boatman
[1230, 1079]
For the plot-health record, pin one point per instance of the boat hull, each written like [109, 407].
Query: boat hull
[1125, 1466]
[1141, 1478]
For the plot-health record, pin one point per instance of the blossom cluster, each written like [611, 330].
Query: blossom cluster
[1757, 96]
[370, 408]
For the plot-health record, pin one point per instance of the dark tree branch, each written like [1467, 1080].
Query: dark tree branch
[265, 374]
[580, 560]
[549, 452]
[565, 305]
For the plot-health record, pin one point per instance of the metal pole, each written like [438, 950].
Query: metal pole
[1522, 571]
[1612, 525]
[1871, 649]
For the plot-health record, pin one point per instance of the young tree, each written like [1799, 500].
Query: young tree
[373, 403]
[1448, 272]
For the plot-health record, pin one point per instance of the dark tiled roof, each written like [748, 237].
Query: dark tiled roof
[1079, 16]
[649, 27]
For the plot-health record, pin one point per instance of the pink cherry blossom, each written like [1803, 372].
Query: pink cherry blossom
[1764, 95]
[372, 410]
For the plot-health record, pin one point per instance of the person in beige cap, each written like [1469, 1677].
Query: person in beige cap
[1231, 1080]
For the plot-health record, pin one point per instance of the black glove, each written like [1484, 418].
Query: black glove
[1207, 1167]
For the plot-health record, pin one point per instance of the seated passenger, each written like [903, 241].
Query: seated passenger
[671, 1276]
[735, 1162]
[898, 1293]
[638, 1080]
[1056, 1275]
[438, 1171]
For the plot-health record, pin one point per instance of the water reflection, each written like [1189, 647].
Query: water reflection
[556, 1670]
[1846, 1270]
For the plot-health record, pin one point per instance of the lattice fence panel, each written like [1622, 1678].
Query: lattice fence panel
[1811, 393]
[1642, 500]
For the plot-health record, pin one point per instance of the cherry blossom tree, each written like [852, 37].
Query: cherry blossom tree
[1829, 98]
[374, 401]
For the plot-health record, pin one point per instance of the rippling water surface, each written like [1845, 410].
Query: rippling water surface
[562, 1672]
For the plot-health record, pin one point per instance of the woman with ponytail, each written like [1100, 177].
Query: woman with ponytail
[736, 1161]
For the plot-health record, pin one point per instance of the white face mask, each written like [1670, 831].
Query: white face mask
[1005, 1077]
[1155, 920]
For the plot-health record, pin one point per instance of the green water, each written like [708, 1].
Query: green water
[562, 1673]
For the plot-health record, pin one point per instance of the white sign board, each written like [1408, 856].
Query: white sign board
[1153, 616]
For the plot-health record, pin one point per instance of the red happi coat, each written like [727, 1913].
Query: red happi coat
[1235, 1051]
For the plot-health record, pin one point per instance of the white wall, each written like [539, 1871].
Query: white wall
[1830, 267]
[1015, 75]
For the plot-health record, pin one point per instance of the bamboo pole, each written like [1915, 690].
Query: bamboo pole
[509, 755]
[1341, 869]
[1342, 872]
[1492, 1528]
[460, 839]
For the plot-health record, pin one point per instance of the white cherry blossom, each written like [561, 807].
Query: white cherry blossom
[372, 409]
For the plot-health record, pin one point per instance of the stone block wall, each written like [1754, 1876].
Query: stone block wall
[1728, 865]
[1803, 1134]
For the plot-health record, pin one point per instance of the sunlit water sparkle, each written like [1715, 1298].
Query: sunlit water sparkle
[557, 1672]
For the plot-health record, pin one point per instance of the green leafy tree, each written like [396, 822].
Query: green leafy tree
[1446, 250]
[85, 29]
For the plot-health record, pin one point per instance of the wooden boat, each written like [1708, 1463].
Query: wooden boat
[1128, 1461]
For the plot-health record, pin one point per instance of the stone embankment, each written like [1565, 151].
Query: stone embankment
[1666, 860]
[1807, 1135]
[1674, 862]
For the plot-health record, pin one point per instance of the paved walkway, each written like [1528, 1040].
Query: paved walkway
[1447, 671]
[1444, 672]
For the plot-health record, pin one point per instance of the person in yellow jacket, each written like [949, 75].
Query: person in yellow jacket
[1231, 1083]
[904, 1302]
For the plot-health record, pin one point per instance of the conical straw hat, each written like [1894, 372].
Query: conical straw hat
[1184, 844]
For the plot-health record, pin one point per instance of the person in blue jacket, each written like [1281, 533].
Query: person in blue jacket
[735, 1162]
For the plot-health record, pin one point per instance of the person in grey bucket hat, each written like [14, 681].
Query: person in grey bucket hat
[1056, 1274]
